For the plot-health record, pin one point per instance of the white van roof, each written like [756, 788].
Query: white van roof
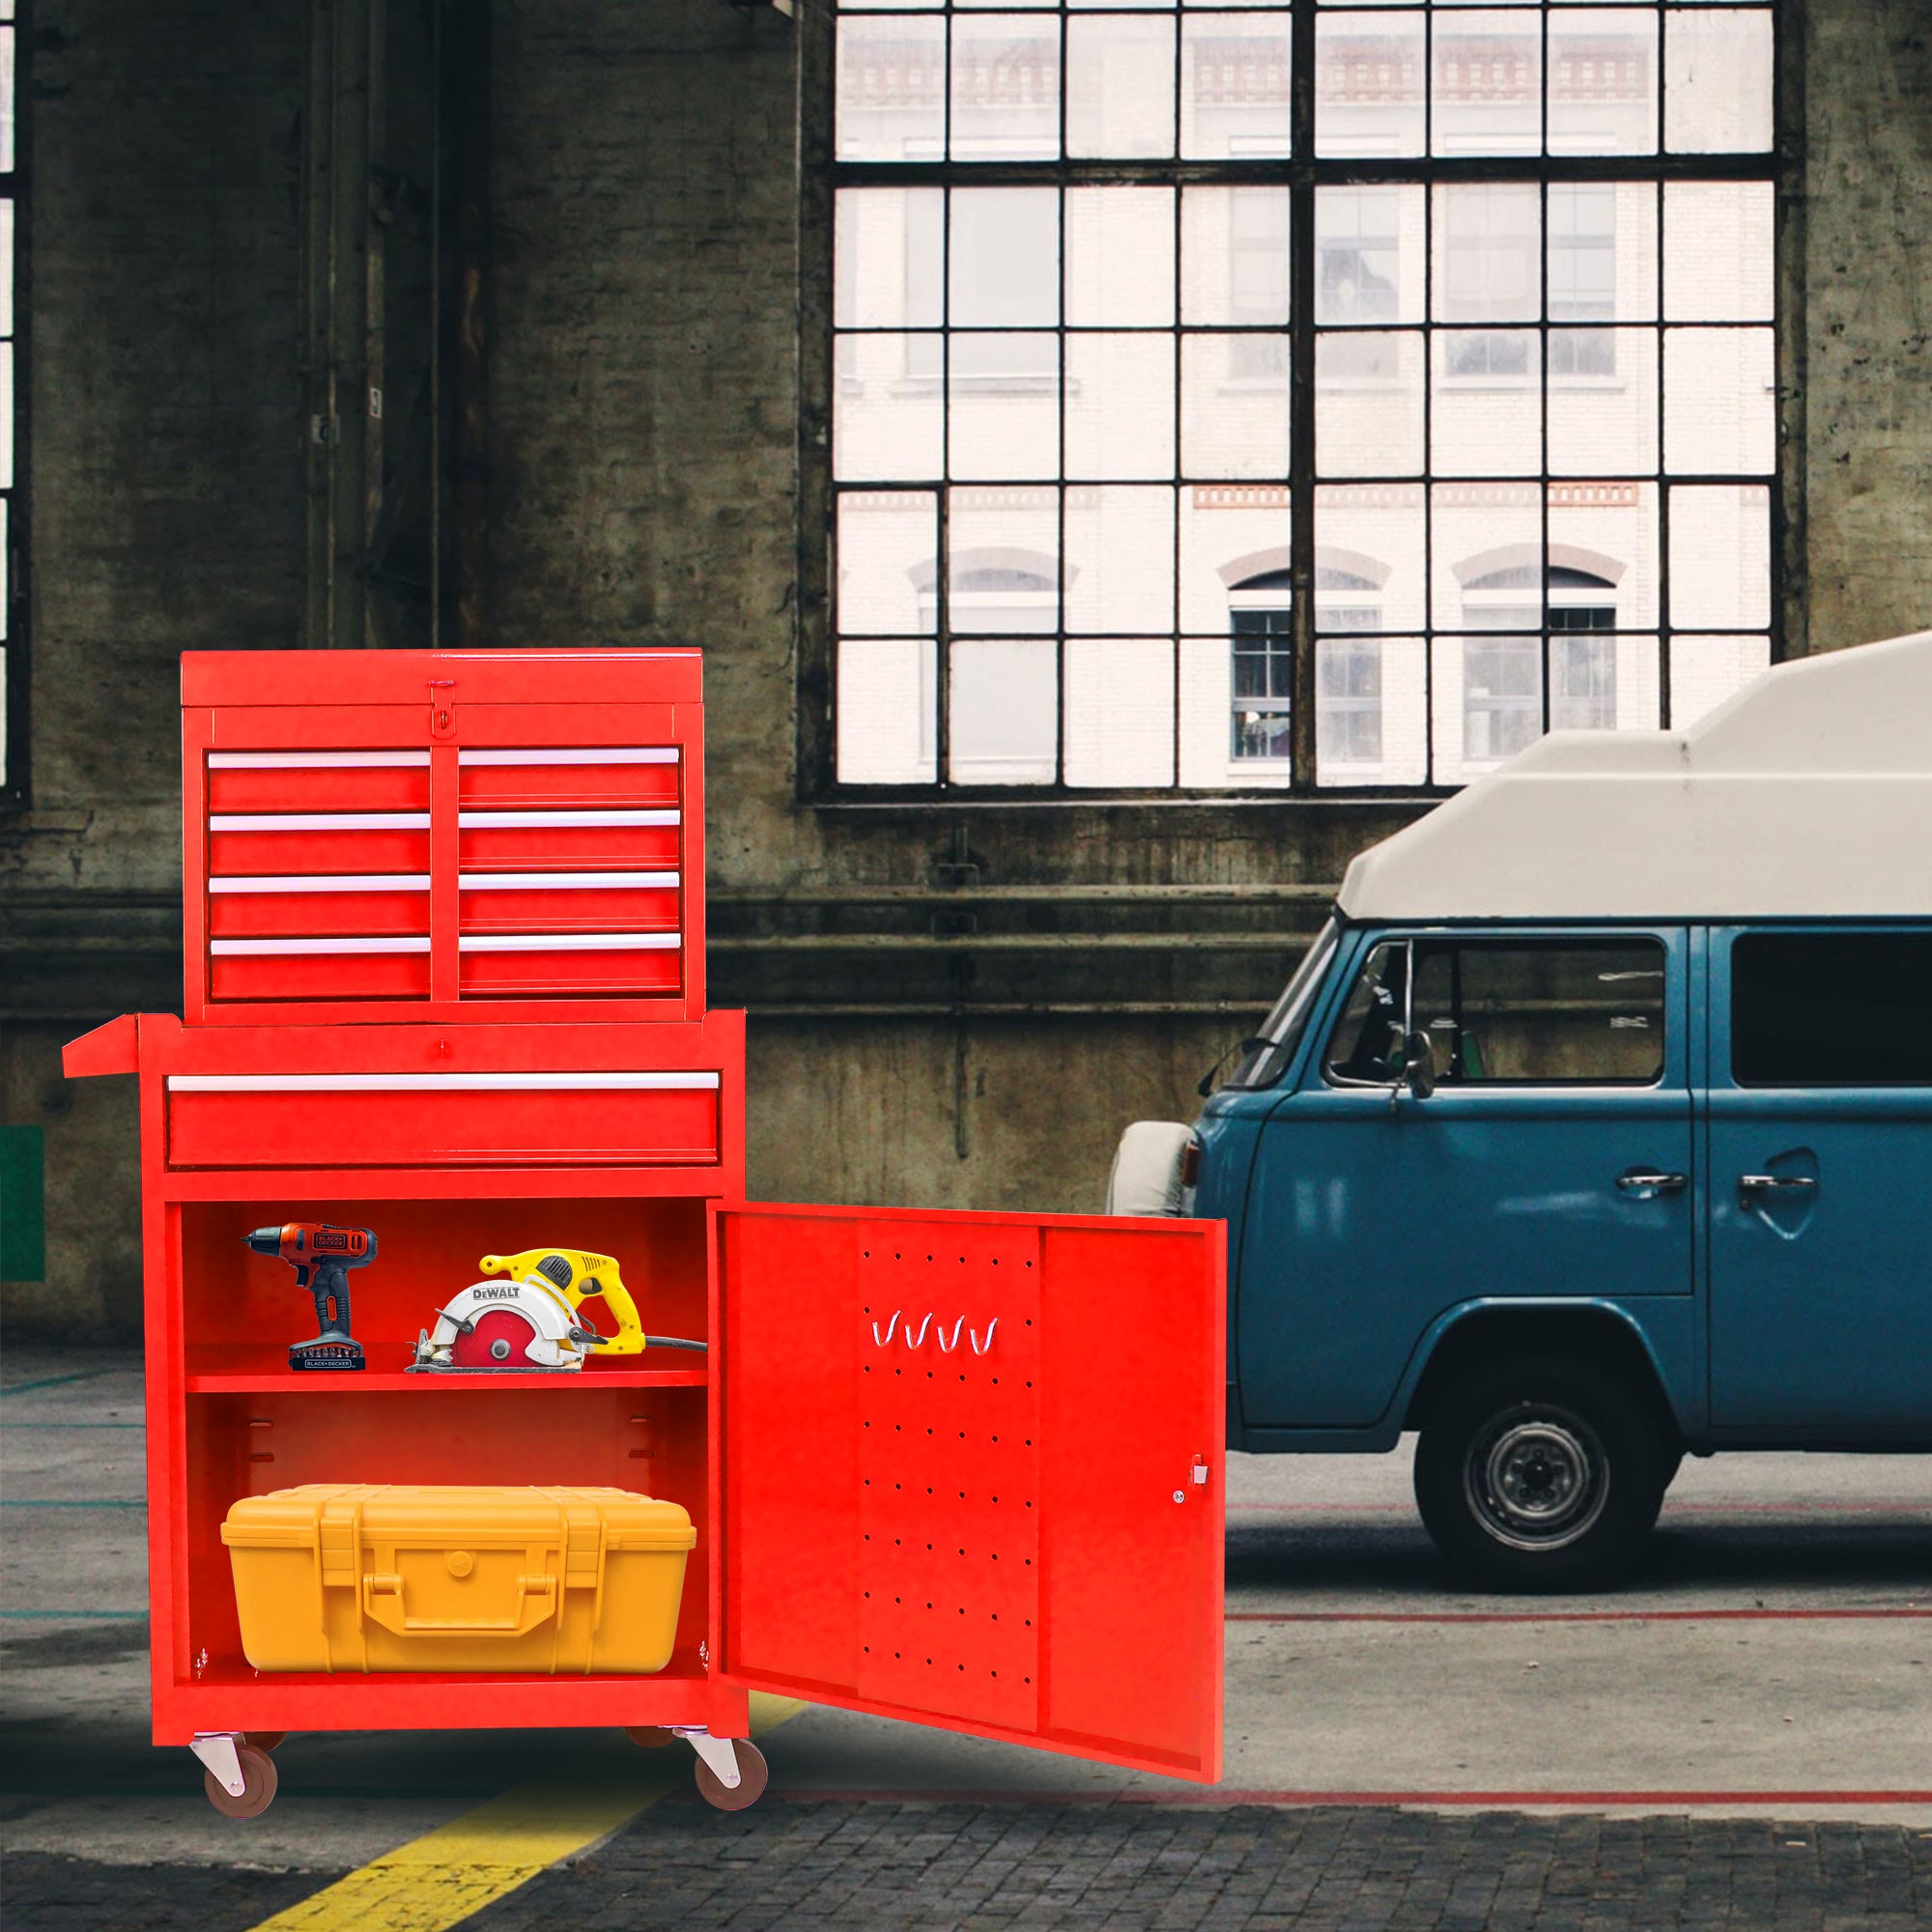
[1809, 793]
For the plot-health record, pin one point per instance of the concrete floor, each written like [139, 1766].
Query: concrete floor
[1774, 1662]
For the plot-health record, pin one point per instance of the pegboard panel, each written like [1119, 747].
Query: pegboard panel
[948, 1465]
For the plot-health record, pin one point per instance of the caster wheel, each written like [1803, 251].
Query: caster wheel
[258, 1785]
[267, 1741]
[653, 1737]
[754, 1775]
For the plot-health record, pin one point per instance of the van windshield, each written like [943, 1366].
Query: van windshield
[1281, 1032]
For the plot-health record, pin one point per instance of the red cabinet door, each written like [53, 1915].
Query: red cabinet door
[972, 1474]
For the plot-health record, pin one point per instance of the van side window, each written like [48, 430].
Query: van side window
[1832, 1009]
[1510, 1013]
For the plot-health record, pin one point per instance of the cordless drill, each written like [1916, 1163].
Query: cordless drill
[323, 1255]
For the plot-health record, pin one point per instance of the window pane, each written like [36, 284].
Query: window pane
[887, 244]
[1207, 723]
[1003, 406]
[1106, 227]
[1233, 245]
[886, 424]
[1720, 556]
[1717, 252]
[1006, 87]
[1488, 252]
[1234, 85]
[1602, 80]
[1002, 267]
[1233, 417]
[888, 561]
[1602, 401]
[1368, 83]
[1373, 533]
[1720, 401]
[1516, 1015]
[1369, 254]
[1368, 404]
[1120, 406]
[1230, 534]
[1120, 87]
[1831, 1010]
[1004, 715]
[888, 711]
[1705, 671]
[891, 89]
[1120, 560]
[1371, 710]
[1487, 83]
[1120, 712]
[1716, 80]
[1485, 413]
[1002, 560]
[1487, 546]
[1603, 558]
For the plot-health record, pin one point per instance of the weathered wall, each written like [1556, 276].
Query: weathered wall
[1868, 321]
[950, 1006]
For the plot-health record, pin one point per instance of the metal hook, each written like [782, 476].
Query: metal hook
[945, 1348]
[879, 1341]
[911, 1340]
[979, 1348]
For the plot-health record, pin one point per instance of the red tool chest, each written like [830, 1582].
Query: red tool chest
[445, 980]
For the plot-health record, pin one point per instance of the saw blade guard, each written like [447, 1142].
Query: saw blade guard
[496, 1324]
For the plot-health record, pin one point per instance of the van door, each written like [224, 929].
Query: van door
[1820, 1166]
[1553, 1159]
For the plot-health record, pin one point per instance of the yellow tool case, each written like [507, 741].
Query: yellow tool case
[392, 1576]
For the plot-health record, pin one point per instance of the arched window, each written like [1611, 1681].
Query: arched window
[1348, 703]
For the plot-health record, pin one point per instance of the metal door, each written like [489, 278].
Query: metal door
[1372, 1213]
[971, 1474]
[1820, 1161]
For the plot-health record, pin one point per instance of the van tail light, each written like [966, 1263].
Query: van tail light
[1190, 1163]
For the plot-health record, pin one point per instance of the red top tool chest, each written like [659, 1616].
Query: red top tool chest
[445, 981]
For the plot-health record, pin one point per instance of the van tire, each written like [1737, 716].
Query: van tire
[1541, 1473]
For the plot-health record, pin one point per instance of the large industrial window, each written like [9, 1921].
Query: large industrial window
[1288, 396]
[13, 605]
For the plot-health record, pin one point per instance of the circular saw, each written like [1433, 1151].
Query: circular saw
[505, 1326]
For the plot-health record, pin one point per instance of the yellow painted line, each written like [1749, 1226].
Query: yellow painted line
[437, 1881]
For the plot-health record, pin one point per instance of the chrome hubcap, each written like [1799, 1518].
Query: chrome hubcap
[1537, 1481]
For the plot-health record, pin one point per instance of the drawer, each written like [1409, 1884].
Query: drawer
[296, 906]
[374, 967]
[546, 963]
[607, 776]
[247, 782]
[569, 902]
[644, 839]
[268, 843]
[383, 1119]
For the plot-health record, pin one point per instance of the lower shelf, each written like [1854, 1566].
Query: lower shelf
[230, 1696]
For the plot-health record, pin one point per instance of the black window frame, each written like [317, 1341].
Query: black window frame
[15, 783]
[815, 773]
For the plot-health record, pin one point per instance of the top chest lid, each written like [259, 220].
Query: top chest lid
[373, 835]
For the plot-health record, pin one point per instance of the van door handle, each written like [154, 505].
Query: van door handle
[1644, 1180]
[1749, 1185]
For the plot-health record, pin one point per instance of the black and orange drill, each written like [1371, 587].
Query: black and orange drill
[323, 1255]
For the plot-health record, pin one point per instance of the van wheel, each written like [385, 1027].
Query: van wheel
[1540, 1475]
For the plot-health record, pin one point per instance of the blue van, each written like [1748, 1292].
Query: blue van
[1596, 1127]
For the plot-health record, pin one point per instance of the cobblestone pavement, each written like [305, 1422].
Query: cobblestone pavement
[1114, 1867]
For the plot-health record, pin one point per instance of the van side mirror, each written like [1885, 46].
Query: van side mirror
[1418, 1065]
[1243, 1047]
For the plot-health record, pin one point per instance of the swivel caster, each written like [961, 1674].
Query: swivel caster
[754, 1775]
[239, 1774]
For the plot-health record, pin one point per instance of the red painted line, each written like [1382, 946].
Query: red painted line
[1491, 1800]
[1915, 1513]
[1573, 1616]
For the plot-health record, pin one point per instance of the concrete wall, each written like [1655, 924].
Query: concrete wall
[949, 1006]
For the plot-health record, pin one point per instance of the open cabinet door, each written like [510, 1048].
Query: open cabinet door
[971, 1473]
